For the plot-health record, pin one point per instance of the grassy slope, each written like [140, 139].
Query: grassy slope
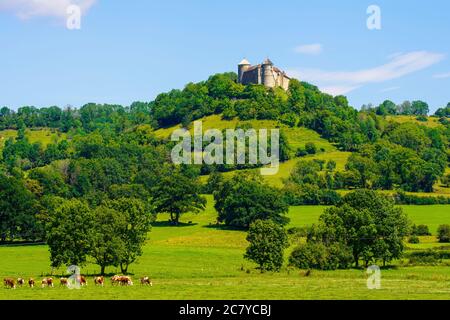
[432, 122]
[297, 138]
[199, 261]
[43, 136]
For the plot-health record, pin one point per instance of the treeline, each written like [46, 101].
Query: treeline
[407, 108]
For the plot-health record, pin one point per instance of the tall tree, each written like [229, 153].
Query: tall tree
[68, 233]
[245, 199]
[177, 194]
[138, 224]
[267, 243]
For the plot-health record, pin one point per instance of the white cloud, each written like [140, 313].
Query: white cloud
[312, 49]
[442, 75]
[399, 66]
[389, 89]
[26, 9]
[338, 90]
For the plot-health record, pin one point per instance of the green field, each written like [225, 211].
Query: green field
[201, 261]
[43, 136]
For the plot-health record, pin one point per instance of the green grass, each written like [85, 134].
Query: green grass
[297, 137]
[201, 261]
[44, 136]
[433, 122]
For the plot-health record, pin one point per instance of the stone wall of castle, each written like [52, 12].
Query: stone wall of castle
[265, 74]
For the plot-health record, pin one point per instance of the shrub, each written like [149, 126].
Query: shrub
[424, 257]
[311, 148]
[316, 255]
[301, 153]
[414, 240]
[309, 256]
[444, 233]
[421, 231]
[422, 118]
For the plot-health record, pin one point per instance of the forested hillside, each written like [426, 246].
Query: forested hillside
[103, 153]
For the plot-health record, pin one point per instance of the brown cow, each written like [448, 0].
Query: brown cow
[31, 283]
[146, 281]
[115, 280]
[122, 280]
[126, 281]
[20, 282]
[9, 283]
[99, 281]
[47, 282]
[64, 282]
[82, 281]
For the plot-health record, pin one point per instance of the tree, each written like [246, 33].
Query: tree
[138, 221]
[387, 108]
[68, 230]
[297, 98]
[420, 108]
[177, 194]
[107, 245]
[245, 199]
[365, 168]
[444, 233]
[368, 223]
[18, 210]
[267, 243]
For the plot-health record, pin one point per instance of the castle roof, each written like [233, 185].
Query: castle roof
[244, 62]
[268, 61]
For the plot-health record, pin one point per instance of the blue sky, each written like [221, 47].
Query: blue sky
[130, 51]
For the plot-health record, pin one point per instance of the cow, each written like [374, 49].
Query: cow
[64, 282]
[9, 283]
[122, 280]
[47, 282]
[82, 281]
[115, 280]
[99, 281]
[146, 281]
[31, 283]
[20, 282]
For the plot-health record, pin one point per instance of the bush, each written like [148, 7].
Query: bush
[414, 240]
[316, 255]
[424, 257]
[301, 153]
[444, 233]
[421, 231]
[422, 118]
[311, 148]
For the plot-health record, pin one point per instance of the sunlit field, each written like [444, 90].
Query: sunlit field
[198, 260]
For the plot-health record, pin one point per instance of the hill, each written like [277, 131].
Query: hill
[297, 137]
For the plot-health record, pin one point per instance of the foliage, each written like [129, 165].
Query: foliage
[18, 211]
[267, 243]
[366, 222]
[68, 230]
[245, 199]
[317, 255]
[176, 194]
[444, 233]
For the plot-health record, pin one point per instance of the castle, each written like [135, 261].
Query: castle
[265, 73]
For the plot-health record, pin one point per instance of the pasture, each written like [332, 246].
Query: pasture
[202, 261]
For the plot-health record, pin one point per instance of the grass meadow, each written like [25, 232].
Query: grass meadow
[199, 260]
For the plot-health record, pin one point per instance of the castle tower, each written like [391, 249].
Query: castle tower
[268, 76]
[242, 68]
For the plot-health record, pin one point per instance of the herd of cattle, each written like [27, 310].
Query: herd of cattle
[81, 280]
